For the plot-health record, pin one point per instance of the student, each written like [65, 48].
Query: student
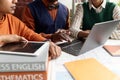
[91, 12]
[46, 17]
[12, 28]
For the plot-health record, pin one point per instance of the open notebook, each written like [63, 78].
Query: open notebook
[89, 69]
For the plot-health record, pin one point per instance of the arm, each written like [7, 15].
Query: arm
[21, 29]
[54, 50]
[77, 23]
[28, 18]
[68, 20]
[4, 39]
[116, 15]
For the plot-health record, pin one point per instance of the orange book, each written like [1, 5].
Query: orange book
[37, 75]
[89, 69]
[114, 50]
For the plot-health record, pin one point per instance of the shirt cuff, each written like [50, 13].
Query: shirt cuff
[74, 32]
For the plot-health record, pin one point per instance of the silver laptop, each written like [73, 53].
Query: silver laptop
[97, 37]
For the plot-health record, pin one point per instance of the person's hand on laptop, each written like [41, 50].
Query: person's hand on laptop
[83, 34]
[54, 51]
[61, 35]
[4, 39]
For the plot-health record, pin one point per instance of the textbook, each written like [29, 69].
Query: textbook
[37, 75]
[114, 50]
[89, 69]
[18, 63]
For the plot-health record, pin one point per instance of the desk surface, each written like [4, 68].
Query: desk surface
[58, 71]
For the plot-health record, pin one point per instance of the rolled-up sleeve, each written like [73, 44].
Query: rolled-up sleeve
[77, 21]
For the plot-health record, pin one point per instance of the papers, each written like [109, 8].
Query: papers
[89, 69]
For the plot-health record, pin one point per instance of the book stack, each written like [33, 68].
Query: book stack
[19, 67]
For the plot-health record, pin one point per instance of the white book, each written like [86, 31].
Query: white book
[20, 60]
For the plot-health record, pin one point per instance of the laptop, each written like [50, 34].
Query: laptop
[32, 48]
[97, 37]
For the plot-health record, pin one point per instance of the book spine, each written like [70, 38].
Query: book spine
[40, 75]
[19, 67]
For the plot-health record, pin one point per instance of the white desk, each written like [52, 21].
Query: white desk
[58, 71]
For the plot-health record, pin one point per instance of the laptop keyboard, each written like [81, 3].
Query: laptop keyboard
[72, 48]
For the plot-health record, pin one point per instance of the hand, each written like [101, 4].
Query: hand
[63, 31]
[83, 34]
[61, 35]
[4, 39]
[54, 51]
[13, 46]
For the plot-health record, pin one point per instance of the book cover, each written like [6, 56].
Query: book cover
[114, 50]
[34, 75]
[17, 63]
[89, 69]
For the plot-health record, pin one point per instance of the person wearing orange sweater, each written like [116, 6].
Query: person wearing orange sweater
[12, 28]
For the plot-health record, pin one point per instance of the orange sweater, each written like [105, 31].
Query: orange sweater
[11, 25]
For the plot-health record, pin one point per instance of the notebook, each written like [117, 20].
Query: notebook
[31, 48]
[97, 37]
[89, 69]
[114, 50]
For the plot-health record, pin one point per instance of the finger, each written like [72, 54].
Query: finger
[59, 30]
[51, 50]
[49, 58]
[23, 40]
[65, 31]
[66, 37]
[55, 51]
[68, 32]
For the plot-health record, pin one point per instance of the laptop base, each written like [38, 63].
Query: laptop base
[72, 48]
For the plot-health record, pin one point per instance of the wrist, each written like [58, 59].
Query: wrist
[82, 34]
[1, 43]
